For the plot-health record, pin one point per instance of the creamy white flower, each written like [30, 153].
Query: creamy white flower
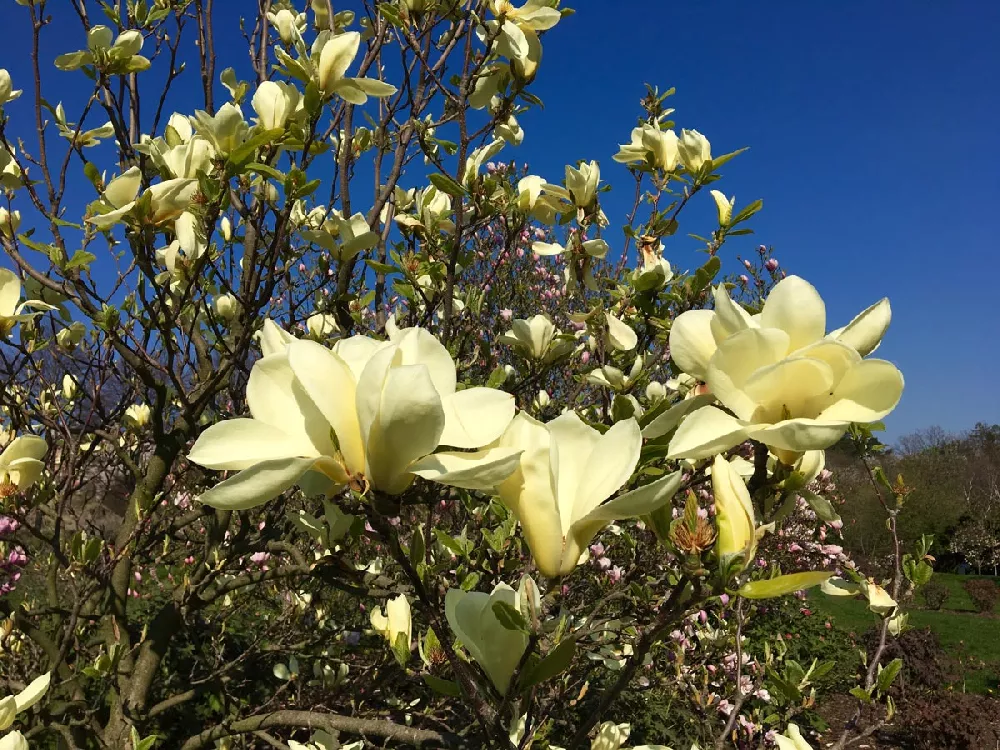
[538, 338]
[655, 147]
[366, 414]
[792, 740]
[137, 416]
[566, 472]
[322, 325]
[275, 103]
[7, 91]
[333, 55]
[694, 150]
[168, 199]
[226, 130]
[21, 464]
[394, 621]
[15, 704]
[788, 384]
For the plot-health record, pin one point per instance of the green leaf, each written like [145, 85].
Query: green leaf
[243, 154]
[781, 585]
[887, 674]
[383, 268]
[821, 506]
[266, 169]
[417, 547]
[557, 661]
[401, 649]
[444, 687]
[510, 617]
[705, 275]
[445, 184]
[80, 259]
[861, 694]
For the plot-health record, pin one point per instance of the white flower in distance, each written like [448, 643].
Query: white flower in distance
[566, 472]
[12, 705]
[430, 212]
[21, 463]
[394, 621]
[495, 648]
[332, 56]
[275, 103]
[537, 338]
[366, 414]
[789, 385]
[9, 222]
[167, 199]
[657, 148]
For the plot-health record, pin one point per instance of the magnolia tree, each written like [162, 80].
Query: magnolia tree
[325, 421]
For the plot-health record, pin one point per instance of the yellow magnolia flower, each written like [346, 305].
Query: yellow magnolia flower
[366, 414]
[9, 222]
[723, 206]
[276, 102]
[21, 464]
[104, 51]
[332, 55]
[12, 309]
[792, 740]
[734, 513]
[288, 24]
[12, 705]
[694, 150]
[518, 39]
[538, 338]
[168, 199]
[7, 91]
[13, 741]
[495, 648]
[226, 130]
[566, 472]
[788, 384]
[429, 211]
[322, 325]
[137, 416]
[655, 147]
[394, 621]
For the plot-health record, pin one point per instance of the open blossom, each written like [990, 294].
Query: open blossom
[789, 384]
[12, 705]
[366, 414]
[394, 621]
[21, 462]
[564, 476]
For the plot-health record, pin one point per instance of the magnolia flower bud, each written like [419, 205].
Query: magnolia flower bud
[694, 150]
[226, 228]
[226, 307]
[394, 624]
[275, 102]
[137, 416]
[321, 325]
[582, 183]
[9, 222]
[69, 387]
[734, 514]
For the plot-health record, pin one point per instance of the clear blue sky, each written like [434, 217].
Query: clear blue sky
[873, 142]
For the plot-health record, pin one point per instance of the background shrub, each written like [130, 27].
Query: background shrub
[936, 594]
[983, 592]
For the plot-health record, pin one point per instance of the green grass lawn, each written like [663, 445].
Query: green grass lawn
[971, 639]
